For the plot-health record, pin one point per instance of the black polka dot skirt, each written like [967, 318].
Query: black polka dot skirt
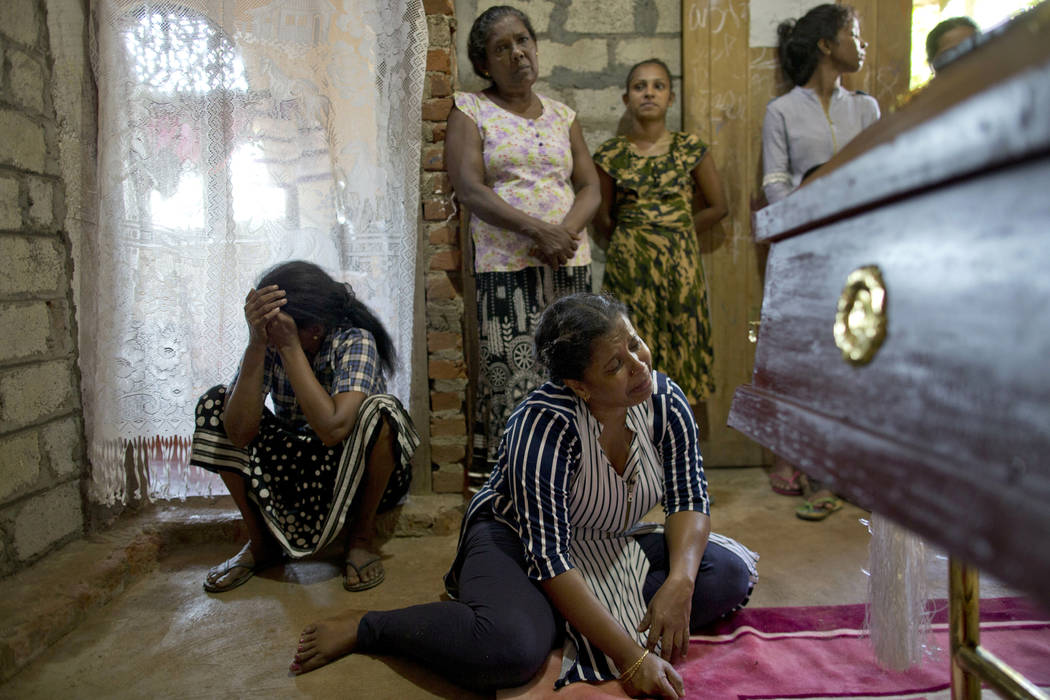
[303, 488]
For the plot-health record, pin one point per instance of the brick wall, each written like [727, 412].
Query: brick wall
[585, 48]
[446, 363]
[41, 443]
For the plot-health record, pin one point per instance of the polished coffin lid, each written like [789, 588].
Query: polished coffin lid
[947, 429]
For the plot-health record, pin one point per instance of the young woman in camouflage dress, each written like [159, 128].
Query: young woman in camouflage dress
[660, 192]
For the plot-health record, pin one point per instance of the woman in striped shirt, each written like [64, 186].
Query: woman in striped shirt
[554, 540]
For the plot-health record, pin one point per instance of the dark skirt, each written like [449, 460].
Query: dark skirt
[303, 488]
[509, 305]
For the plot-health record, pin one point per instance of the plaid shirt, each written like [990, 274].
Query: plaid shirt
[347, 361]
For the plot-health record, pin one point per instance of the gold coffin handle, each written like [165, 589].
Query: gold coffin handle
[860, 321]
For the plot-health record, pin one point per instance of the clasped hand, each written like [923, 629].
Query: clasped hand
[267, 324]
[555, 244]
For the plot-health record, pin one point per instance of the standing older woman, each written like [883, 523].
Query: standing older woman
[555, 536]
[335, 438]
[519, 163]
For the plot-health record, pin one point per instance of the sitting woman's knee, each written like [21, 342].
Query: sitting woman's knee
[513, 651]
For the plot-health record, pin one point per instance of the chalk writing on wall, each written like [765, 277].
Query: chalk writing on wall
[767, 14]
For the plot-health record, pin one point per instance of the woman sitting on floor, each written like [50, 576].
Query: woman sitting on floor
[321, 355]
[555, 536]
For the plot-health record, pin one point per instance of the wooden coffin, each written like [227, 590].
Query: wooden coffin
[946, 427]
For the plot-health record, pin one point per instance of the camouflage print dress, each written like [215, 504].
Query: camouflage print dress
[653, 260]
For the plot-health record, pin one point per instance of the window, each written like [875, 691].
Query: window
[232, 137]
[927, 14]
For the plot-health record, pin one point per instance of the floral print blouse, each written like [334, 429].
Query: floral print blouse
[528, 163]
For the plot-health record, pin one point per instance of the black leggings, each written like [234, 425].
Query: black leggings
[503, 627]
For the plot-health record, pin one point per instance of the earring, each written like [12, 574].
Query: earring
[317, 337]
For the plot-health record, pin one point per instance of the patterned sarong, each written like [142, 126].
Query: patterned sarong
[303, 488]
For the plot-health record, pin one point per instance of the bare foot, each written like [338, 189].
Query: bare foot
[327, 640]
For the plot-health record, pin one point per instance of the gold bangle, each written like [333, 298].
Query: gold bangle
[629, 673]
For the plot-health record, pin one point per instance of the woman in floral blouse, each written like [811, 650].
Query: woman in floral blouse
[519, 163]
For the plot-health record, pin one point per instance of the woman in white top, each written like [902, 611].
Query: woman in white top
[802, 130]
[555, 539]
[813, 121]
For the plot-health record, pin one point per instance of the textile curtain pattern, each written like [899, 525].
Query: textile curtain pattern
[233, 135]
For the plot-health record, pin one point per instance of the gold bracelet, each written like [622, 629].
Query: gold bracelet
[629, 673]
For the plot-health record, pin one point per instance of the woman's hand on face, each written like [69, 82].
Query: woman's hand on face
[260, 307]
[667, 619]
[282, 332]
[655, 678]
[555, 244]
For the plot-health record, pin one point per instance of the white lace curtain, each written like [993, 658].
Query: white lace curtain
[235, 134]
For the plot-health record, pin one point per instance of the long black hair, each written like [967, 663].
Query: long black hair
[314, 297]
[797, 39]
[565, 334]
[478, 39]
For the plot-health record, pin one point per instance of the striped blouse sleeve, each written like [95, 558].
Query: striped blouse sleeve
[685, 487]
[541, 449]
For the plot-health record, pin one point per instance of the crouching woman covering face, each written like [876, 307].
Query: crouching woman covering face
[554, 541]
[334, 440]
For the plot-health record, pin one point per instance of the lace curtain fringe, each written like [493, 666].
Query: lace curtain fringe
[145, 470]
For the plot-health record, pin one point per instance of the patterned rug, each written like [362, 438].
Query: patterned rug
[824, 652]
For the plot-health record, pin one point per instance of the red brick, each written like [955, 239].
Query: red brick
[439, 60]
[446, 400]
[445, 260]
[437, 109]
[443, 235]
[434, 157]
[448, 481]
[437, 209]
[448, 427]
[438, 7]
[445, 369]
[440, 84]
[442, 340]
[448, 454]
[438, 134]
[436, 183]
[439, 288]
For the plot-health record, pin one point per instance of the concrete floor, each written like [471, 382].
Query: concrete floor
[164, 638]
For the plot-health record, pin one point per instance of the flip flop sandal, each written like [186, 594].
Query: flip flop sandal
[361, 584]
[786, 487]
[246, 572]
[818, 508]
